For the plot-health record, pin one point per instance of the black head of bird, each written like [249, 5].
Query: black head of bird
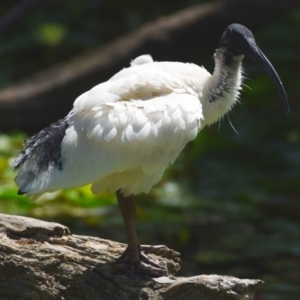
[239, 40]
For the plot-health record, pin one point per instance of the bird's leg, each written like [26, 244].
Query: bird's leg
[128, 212]
[134, 250]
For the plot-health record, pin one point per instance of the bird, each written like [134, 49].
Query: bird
[122, 134]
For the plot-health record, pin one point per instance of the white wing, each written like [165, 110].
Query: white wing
[127, 145]
[123, 133]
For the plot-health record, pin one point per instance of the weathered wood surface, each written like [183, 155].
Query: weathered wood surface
[42, 260]
[190, 35]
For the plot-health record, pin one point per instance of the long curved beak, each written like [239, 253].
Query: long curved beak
[253, 52]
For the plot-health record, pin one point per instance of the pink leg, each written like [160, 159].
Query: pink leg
[134, 250]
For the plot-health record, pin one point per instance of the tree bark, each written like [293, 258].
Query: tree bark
[43, 260]
[189, 35]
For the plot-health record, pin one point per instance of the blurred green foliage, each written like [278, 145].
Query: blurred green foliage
[51, 34]
[230, 203]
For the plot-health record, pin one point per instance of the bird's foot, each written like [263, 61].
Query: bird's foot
[146, 269]
[145, 266]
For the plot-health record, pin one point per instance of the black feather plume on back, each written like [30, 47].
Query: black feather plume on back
[44, 147]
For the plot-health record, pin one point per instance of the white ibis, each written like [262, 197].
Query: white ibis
[122, 134]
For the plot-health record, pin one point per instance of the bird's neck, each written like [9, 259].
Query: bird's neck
[223, 87]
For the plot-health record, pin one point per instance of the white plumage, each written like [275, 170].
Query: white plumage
[123, 133]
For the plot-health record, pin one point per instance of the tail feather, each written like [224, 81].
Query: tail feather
[40, 158]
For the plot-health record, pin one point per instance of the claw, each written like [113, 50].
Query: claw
[140, 268]
[145, 265]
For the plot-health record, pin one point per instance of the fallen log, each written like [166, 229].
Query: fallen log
[43, 260]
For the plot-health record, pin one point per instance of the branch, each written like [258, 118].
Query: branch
[42, 260]
[189, 35]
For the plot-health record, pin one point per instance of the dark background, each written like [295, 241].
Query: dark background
[230, 203]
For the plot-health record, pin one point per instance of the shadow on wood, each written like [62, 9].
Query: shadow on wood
[43, 260]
